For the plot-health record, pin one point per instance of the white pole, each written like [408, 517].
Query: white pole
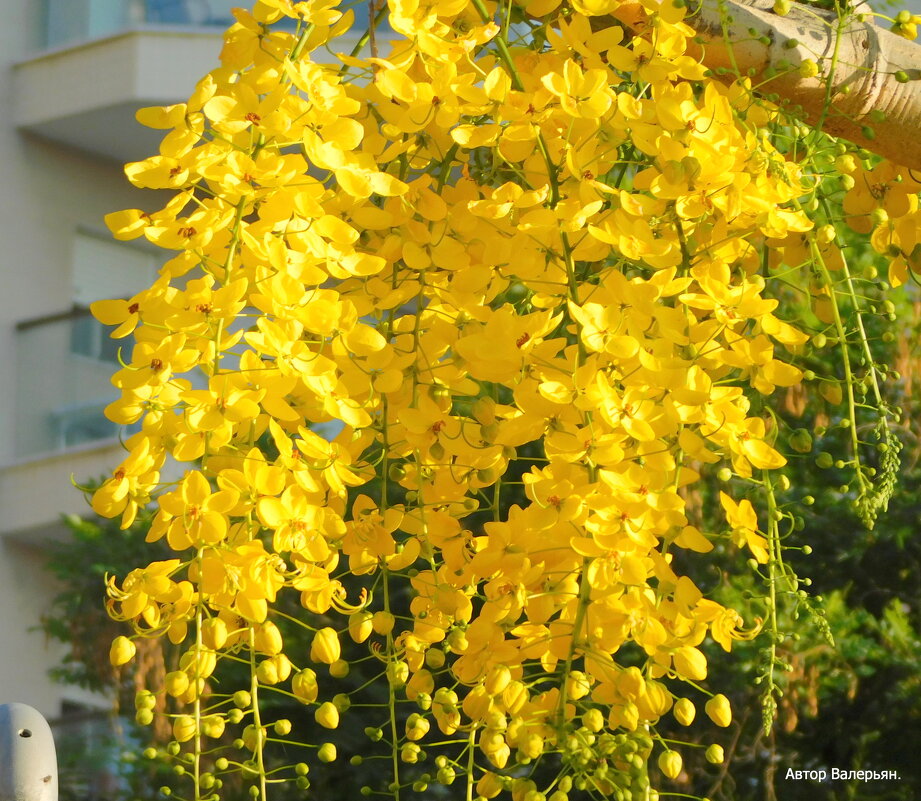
[28, 763]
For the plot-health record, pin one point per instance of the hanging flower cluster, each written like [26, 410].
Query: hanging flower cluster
[463, 314]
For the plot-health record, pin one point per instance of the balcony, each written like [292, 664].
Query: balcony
[69, 22]
[63, 368]
[64, 365]
[105, 59]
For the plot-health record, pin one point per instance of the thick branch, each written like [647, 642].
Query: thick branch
[863, 80]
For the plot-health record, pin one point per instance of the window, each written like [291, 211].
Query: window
[90, 338]
[65, 361]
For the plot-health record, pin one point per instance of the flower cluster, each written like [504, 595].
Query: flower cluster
[466, 320]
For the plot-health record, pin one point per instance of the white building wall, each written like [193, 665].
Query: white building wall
[49, 192]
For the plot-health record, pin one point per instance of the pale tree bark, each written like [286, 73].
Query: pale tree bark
[855, 89]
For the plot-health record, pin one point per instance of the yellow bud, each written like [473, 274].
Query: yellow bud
[267, 673]
[808, 68]
[435, 658]
[477, 703]
[339, 669]
[515, 696]
[327, 752]
[212, 726]
[304, 686]
[360, 625]
[410, 753]
[631, 683]
[416, 726]
[325, 646]
[533, 746]
[684, 711]
[655, 701]
[626, 717]
[845, 163]
[284, 666]
[122, 651]
[253, 737]
[383, 623]
[489, 785]
[690, 663]
[198, 662]
[718, 710]
[176, 683]
[327, 715]
[826, 234]
[715, 754]
[273, 670]
[268, 639]
[184, 728]
[670, 763]
[397, 673]
[457, 641]
[214, 633]
[578, 685]
[593, 720]
[195, 690]
[497, 679]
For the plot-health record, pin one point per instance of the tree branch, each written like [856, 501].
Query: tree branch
[863, 79]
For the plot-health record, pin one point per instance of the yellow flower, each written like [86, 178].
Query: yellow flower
[130, 484]
[192, 515]
[297, 522]
[744, 524]
[581, 94]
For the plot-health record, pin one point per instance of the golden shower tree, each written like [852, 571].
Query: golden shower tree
[458, 319]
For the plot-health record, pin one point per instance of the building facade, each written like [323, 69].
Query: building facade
[73, 74]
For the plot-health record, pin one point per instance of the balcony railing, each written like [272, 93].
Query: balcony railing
[63, 368]
[72, 21]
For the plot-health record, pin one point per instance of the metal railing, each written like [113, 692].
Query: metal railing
[73, 21]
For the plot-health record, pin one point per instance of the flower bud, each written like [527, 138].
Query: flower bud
[184, 728]
[214, 633]
[360, 625]
[684, 711]
[383, 623]
[327, 715]
[176, 683]
[670, 763]
[325, 646]
[718, 710]
[122, 651]
[267, 638]
[212, 726]
[304, 686]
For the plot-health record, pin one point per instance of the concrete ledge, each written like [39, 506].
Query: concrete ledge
[35, 492]
[85, 96]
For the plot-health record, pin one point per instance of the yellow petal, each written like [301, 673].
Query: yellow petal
[762, 455]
